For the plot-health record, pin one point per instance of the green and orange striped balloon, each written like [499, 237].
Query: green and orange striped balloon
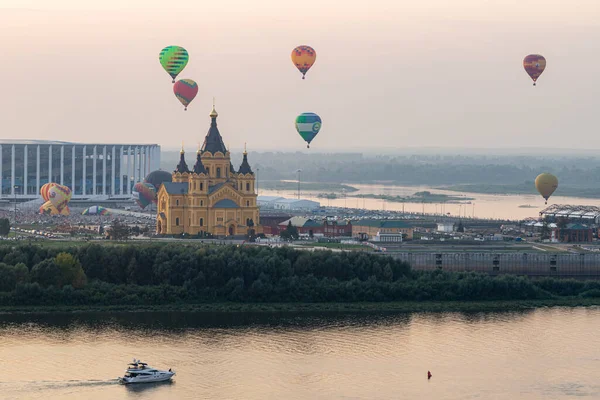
[173, 59]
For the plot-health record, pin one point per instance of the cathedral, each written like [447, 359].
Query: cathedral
[212, 197]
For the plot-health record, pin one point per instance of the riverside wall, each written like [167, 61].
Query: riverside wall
[583, 265]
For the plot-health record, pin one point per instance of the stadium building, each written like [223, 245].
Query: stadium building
[89, 169]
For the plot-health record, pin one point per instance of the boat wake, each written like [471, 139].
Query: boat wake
[34, 386]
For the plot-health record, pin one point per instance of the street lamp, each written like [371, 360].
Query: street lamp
[298, 172]
[183, 213]
[257, 181]
[15, 192]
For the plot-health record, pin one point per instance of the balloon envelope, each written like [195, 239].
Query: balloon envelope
[48, 208]
[95, 210]
[59, 196]
[144, 194]
[303, 58]
[173, 59]
[546, 184]
[308, 126]
[534, 65]
[44, 190]
[185, 90]
[156, 178]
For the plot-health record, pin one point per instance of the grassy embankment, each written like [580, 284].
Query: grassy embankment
[358, 307]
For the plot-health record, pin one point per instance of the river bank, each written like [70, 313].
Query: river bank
[523, 189]
[359, 307]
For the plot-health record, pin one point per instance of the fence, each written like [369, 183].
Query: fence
[560, 265]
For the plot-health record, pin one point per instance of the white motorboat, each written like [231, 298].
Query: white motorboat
[139, 372]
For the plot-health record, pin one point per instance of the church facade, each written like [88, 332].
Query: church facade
[211, 197]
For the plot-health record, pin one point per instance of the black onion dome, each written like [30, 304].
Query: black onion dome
[182, 166]
[245, 167]
[199, 167]
[213, 142]
[156, 178]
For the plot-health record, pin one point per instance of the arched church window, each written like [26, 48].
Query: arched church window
[177, 202]
[201, 186]
[207, 171]
[247, 203]
[218, 172]
[201, 203]
[176, 221]
[247, 187]
[201, 221]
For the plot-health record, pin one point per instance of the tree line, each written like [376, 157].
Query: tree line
[419, 169]
[164, 274]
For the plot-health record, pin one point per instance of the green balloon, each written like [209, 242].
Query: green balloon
[308, 126]
[173, 59]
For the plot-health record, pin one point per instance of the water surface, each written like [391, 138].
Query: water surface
[547, 353]
[482, 206]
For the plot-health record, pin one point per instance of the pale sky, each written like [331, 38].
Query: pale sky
[389, 73]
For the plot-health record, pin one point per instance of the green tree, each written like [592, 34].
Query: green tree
[4, 226]
[290, 233]
[71, 270]
[119, 231]
[21, 273]
[46, 273]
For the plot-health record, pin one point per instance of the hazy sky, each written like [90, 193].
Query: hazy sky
[389, 73]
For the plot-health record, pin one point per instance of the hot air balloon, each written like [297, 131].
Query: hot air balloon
[59, 196]
[546, 184]
[156, 178]
[534, 65]
[185, 90]
[44, 190]
[303, 58]
[308, 125]
[95, 210]
[49, 209]
[173, 59]
[144, 194]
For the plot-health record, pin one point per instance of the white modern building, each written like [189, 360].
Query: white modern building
[296, 204]
[88, 169]
[281, 203]
[267, 201]
[446, 227]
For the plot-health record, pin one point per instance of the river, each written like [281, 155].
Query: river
[546, 353]
[491, 206]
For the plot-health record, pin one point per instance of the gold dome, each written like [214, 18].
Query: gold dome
[213, 113]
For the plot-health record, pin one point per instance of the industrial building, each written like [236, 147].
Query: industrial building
[329, 227]
[382, 230]
[572, 213]
[88, 169]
